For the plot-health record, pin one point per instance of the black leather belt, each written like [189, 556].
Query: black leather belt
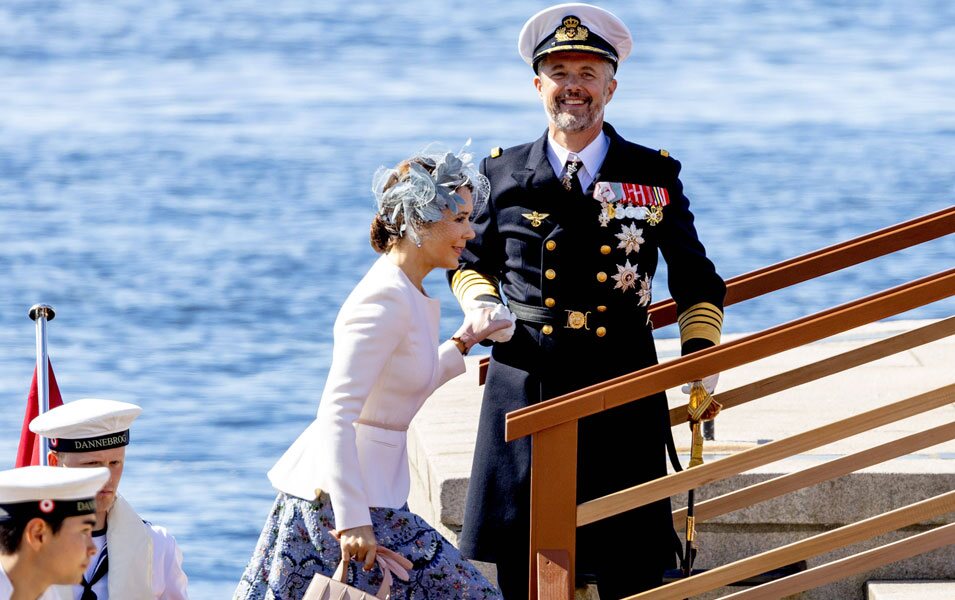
[566, 318]
[570, 318]
[536, 314]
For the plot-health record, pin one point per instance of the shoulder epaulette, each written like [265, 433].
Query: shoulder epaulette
[496, 151]
[664, 153]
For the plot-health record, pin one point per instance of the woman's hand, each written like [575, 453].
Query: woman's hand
[359, 543]
[485, 320]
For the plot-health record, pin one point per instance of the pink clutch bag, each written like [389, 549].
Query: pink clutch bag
[324, 587]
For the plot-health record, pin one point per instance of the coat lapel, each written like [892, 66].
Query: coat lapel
[537, 174]
[544, 192]
[614, 166]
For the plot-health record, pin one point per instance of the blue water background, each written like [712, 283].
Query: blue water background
[187, 184]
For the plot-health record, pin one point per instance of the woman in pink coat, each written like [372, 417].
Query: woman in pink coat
[343, 485]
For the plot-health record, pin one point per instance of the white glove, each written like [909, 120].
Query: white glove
[709, 383]
[485, 320]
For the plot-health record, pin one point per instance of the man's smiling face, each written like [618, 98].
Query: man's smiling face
[575, 87]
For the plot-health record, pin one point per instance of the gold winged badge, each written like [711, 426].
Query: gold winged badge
[535, 218]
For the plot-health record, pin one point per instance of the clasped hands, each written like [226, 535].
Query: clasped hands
[485, 320]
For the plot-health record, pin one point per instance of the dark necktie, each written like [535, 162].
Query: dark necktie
[101, 568]
[571, 180]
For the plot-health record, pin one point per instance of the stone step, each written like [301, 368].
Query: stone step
[910, 590]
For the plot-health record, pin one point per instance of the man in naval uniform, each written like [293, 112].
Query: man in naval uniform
[135, 560]
[46, 518]
[570, 237]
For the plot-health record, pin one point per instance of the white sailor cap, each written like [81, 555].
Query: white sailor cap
[40, 491]
[574, 27]
[86, 425]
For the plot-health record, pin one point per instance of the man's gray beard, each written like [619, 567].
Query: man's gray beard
[569, 123]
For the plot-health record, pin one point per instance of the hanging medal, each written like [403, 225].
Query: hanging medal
[645, 292]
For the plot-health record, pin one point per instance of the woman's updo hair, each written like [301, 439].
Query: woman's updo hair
[384, 235]
[417, 191]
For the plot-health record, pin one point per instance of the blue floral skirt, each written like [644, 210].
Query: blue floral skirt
[296, 543]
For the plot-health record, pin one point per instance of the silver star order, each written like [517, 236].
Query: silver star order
[630, 238]
[644, 291]
[626, 277]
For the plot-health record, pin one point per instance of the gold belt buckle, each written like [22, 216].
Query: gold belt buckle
[577, 320]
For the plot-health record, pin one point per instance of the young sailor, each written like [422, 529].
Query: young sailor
[46, 520]
[134, 559]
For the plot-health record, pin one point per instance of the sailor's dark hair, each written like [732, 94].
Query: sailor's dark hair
[11, 531]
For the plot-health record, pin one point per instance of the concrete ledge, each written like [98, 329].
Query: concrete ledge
[910, 590]
[442, 438]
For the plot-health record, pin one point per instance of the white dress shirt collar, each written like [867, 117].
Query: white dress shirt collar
[592, 158]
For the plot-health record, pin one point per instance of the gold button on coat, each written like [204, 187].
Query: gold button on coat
[550, 245]
[547, 330]
[601, 308]
[549, 302]
[601, 331]
[550, 274]
[601, 277]
[605, 249]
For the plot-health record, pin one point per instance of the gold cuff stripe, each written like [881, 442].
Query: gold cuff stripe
[470, 275]
[700, 331]
[467, 284]
[702, 316]
[703, 321]
[708, 317]
[703, 309]
[472, 290]
[708, 322]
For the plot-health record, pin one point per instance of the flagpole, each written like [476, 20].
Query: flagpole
[41, 314]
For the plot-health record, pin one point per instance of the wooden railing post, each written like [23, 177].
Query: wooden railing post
[553, 512]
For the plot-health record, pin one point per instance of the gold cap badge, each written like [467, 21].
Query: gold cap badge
[571, 30]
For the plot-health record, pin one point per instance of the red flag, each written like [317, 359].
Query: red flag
[28, 453]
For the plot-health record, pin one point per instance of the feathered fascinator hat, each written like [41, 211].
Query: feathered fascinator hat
[421, 196]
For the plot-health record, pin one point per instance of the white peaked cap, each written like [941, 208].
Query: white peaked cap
[28, 484]
[595, 20]
[100, 423]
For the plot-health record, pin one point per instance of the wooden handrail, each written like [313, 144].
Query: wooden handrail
[851, 565]
[634, 386]
[826, 260]
[815, 264]
[812, 546]
[657, 489]
[784, 484]
[825, 367]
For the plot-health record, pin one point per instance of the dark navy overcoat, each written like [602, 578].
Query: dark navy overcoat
[548, 248]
